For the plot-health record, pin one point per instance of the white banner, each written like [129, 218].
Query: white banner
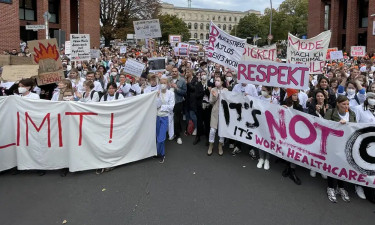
[312, 52]
[80, 47]
[133, 67]
[252, 52]
[358, 51]
[328, 147]
[223, 48]
[336, 55]
[147, 29]
[274, 74]
[39, 134]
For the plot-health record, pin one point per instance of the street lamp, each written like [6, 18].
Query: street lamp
[270, 34]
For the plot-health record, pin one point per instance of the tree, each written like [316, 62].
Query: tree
[117, 16]
[171, 24]
[248, 26]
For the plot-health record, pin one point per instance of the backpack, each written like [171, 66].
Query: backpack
[106, 96]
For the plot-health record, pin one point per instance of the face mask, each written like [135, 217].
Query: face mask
[113, 74]
[204, 77]
[163, 86]
[22, 90]
[351, 91]
[264, 93]
[67, 98]
[371, 101]
[229, 79]
[217, 83]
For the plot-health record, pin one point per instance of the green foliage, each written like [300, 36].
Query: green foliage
[171, 24]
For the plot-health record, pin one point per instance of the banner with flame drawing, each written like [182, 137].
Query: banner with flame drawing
[46, 54]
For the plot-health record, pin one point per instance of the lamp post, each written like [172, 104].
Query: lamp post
[270, 37]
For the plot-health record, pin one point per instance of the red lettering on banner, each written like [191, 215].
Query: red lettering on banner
[292, 130]
[7, 146]
[213, 34]
[326, 131]
[18, 129]
[281, 127]
[271, 71]
[47, 117]
[60, 130]
[111, 128]
[303, 45]
[80, 114]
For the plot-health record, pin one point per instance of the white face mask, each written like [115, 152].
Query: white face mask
[163, 86]
[22, 90]
[229, 79]
[204, 77]
[351, 91]
[67, 98]
[113, 74]
[264, 93]
[371, 101]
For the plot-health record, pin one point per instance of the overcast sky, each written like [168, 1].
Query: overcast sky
[237, 5]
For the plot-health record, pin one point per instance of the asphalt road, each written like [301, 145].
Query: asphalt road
[189, 188]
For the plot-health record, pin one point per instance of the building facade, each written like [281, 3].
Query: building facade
[70, 16]
[352, 22]
[198, 20]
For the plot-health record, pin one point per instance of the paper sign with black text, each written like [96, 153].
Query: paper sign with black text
[80, 47]
[147, 29]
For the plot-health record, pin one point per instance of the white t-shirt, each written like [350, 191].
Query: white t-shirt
[31, 95]
[345, 117]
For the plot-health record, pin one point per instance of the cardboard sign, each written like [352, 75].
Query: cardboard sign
[133, 67]
[20, 60]
[147, 29]
[50, 78]
[156, 64]
[358, 51]
[4, 60]
[336, 55]
[274, 74]
[253, 52]
[95, 53]
[15, 73]
[80, 47]
[311, 52]
[224, 49]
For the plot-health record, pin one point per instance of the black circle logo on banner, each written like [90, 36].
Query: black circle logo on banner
[360, 150]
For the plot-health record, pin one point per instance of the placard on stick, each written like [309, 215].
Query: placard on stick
[15, 73]
[50, 78]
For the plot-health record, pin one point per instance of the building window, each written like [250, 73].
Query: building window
[189, 25]
[27, 10]
[224, 27]
[235, 19]
[195, 35]
[363, 13]
[327, 8]
[213, 18]
[53, 9]
[208, 17]
[219, 26]
[201, 26]
[195, 26]
[230, 19]
[201, 36]
[225, 18]
[230, 27]
[207, 26]
[218, 18]
[207, 36]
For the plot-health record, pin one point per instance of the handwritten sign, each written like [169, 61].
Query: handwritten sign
[20, 60]
[50, 78]
[80, 47]
[147, 29]
[223, 48]
[358, 51]
[133, 67]
[274, 74]
[253, 52]
[334, 55]
[4, 60]
[15, 73]
[311, 52]
[329, 50]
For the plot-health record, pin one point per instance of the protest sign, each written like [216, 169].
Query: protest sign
[46, 54]
[274, 74]
[20, 60]
[201, 54]
[95, 53]
[49, 78]
[13, 73]
[156, 64]
[329, 50]
[67, 48]
[311, 52]
[76, 135]
[358, 51]
[252, 52]
[183, 45]
[327, 147]
[122, 49]
[80, 47]
[4, 60]
[174, 38]
[147, 29]
[336, 55]
[193, 48]
[223, 48]
[181, 51]
[133, 67]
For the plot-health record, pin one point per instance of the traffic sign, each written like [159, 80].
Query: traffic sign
[35, 27]
[270, 37]
[47, 16]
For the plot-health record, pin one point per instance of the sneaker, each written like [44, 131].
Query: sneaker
[231, 145]
[344, 195]
[179, 141]
[236, 150]
[252, 154]
[312, 173]
[260, 163]
[360, 192]
[183, 117]
[162, 159]
[324, 176]
[194, 132]
[172, 138]
[331, 195]
[266, 164]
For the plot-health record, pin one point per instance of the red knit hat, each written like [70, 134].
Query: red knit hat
[290, 92]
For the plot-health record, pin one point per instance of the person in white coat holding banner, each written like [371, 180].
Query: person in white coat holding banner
[165, 104]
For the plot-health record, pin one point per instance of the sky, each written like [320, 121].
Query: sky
[237, 5]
